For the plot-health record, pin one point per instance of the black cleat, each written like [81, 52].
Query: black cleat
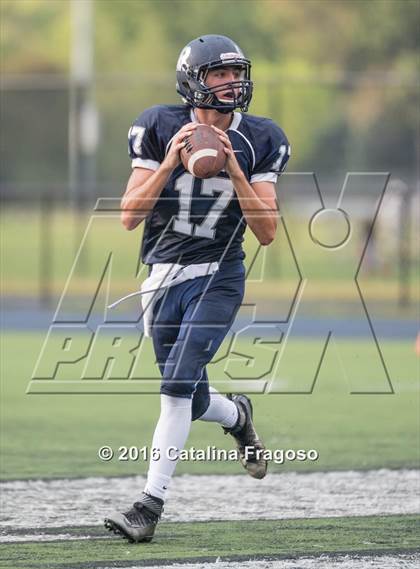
[251, 448]
[139, 523]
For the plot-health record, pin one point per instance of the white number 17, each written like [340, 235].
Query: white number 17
[184, 186]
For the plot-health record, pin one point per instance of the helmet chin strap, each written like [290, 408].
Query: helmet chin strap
[225, 110]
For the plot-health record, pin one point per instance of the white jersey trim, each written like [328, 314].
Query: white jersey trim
[249, 144]
[267, 177]
[237, 117]
[141, 163]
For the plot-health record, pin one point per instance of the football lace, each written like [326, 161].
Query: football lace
[188, 146]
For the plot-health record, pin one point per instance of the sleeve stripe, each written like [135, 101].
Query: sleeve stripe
[267, 177]
[249, 144]
[140, 163]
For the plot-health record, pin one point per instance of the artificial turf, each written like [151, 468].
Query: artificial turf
[59, 435]
[207, 541]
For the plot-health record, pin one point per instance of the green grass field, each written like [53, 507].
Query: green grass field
[210, 540]
[59, 435]
[51, 252]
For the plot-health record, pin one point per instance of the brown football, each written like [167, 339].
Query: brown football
[203, 154]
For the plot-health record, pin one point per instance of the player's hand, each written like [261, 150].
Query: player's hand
[173, 159]
[232, 165]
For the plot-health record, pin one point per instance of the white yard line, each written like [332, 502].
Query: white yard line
[402, 561]
[40, 536]
[80, 502]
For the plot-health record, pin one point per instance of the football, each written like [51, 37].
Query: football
[203, 154]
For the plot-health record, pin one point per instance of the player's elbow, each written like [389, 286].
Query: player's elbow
[129, 222]
[267, 236]
[266, 240]
[264, 235]
[130, 218]
[267, 232]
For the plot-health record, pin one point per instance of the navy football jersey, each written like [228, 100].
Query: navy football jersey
[194, 220]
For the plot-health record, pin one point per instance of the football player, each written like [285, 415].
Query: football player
[192, 242]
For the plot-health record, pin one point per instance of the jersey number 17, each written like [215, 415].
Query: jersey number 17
[209, 187]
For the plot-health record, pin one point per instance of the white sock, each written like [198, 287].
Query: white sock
[171, 430]
[221, 410]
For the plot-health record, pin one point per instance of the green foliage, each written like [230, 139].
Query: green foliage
[129, 36]
[339, 76]
[34, 36]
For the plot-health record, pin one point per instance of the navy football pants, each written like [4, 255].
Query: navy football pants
[190, 322]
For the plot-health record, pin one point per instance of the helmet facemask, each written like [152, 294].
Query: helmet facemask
[204, 97]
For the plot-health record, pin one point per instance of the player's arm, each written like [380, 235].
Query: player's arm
[258, 200]
[145, 186]
[143, 190]
[266, 193]
[259, 206]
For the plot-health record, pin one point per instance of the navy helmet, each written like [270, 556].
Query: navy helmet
[212, 52]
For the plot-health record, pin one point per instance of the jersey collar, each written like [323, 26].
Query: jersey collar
[237, 117]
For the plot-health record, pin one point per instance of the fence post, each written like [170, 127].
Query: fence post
[45, 251]
[404, 248]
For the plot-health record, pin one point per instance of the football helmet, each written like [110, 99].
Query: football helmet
[212, 52]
